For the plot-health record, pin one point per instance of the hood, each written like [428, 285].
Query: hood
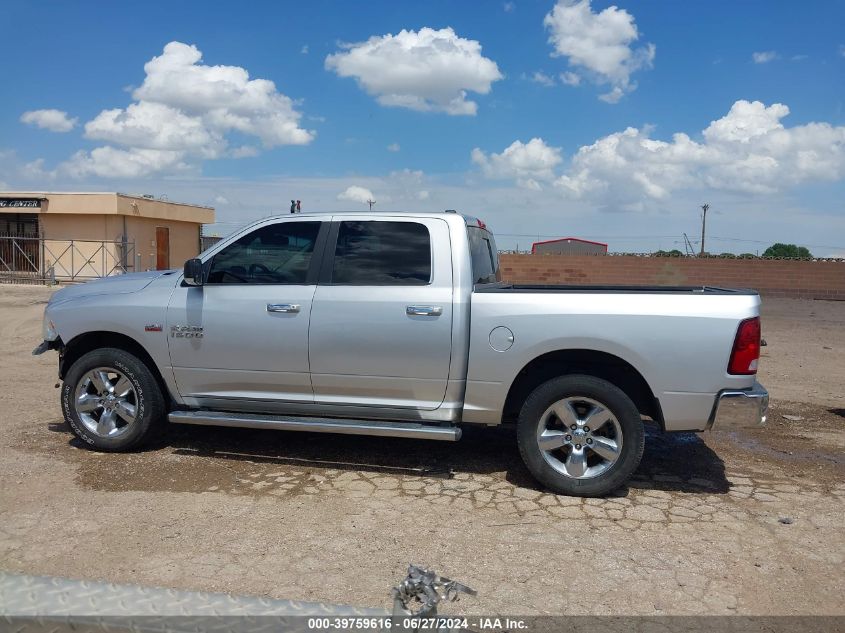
[117, 284]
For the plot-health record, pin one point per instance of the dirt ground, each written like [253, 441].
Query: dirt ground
[717, 523]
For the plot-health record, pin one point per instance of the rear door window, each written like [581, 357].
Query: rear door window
[382, 253]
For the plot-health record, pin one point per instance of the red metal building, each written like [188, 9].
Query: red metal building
[569, 246]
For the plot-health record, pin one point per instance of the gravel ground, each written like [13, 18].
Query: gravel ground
[718, 523]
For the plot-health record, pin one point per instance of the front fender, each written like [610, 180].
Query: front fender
[139, 316]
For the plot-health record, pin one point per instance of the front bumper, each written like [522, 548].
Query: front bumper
[46, 345]
[740, 408]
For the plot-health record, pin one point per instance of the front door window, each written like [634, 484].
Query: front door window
[273, 254]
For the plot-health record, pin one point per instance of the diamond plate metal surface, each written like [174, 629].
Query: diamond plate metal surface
[41, 603]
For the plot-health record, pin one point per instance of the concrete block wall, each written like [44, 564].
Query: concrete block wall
[771, 277]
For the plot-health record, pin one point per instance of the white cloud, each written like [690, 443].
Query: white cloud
[764, 57]
[600, 45]
[393, 147]
[613, 96]
[53, 120]
[224, 97]
[842, 50]
[408, 176]
[539, 77]
[354, 193]
[529, 163]
[509, 7]
[150, 125]
[34, 170]
[813, 218]
[570, 78]
[429, 71]
[221, 200]
[22, 175]
[745, 121]
[112, 162]
[748, 151]
[406, 184]
[182, 114]
[304, 49]
[244, 151]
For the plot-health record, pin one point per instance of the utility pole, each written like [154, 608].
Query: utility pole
[704, 208]
[371, 202]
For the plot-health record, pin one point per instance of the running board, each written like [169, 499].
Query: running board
[317, 425]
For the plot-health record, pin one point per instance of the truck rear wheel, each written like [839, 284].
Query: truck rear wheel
[580, 435]
[111, 400]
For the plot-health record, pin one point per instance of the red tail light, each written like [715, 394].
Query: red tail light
[746, 350]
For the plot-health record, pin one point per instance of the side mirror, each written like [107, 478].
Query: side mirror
[193, 272]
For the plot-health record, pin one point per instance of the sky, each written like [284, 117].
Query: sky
[610, 122]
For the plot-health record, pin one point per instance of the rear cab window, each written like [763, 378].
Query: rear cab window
[485, 257]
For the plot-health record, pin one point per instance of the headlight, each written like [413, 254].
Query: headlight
[48, 330]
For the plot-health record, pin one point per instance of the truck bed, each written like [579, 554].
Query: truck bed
[678, 338]
[710, 290]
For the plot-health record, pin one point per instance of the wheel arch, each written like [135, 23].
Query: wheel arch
[80, 345]
[582, 361]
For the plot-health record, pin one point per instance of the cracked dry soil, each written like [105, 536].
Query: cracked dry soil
[716, 523]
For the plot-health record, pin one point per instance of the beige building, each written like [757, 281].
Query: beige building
[96, 234]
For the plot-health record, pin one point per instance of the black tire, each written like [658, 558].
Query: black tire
[146, 398]
[611, 398]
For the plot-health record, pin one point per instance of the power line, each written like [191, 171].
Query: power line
[586, 236]
[655, 237]
[736, 239]
[678, 237]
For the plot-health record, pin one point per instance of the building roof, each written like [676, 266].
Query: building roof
[111, 203]
[568, 239]
[42, 195]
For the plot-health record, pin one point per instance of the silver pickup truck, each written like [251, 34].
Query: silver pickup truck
[398, 325]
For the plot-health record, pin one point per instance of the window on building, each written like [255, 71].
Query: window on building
[19, 224]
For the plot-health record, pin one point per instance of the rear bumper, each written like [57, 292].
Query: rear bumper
[740, 408]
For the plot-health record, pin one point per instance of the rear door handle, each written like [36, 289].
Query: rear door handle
[423, 310]
[283, 307]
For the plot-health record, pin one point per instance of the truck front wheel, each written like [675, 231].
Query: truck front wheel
[580, 435]
[111, 400]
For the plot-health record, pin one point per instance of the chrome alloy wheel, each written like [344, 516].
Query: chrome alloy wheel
[106, 402]
[579, 437]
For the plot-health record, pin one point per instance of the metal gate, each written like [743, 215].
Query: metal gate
[38, 260]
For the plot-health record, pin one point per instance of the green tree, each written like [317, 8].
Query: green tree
[786, 250]
[673, 253]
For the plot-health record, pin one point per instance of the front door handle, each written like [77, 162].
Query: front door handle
[423, 310]
[283, 307]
